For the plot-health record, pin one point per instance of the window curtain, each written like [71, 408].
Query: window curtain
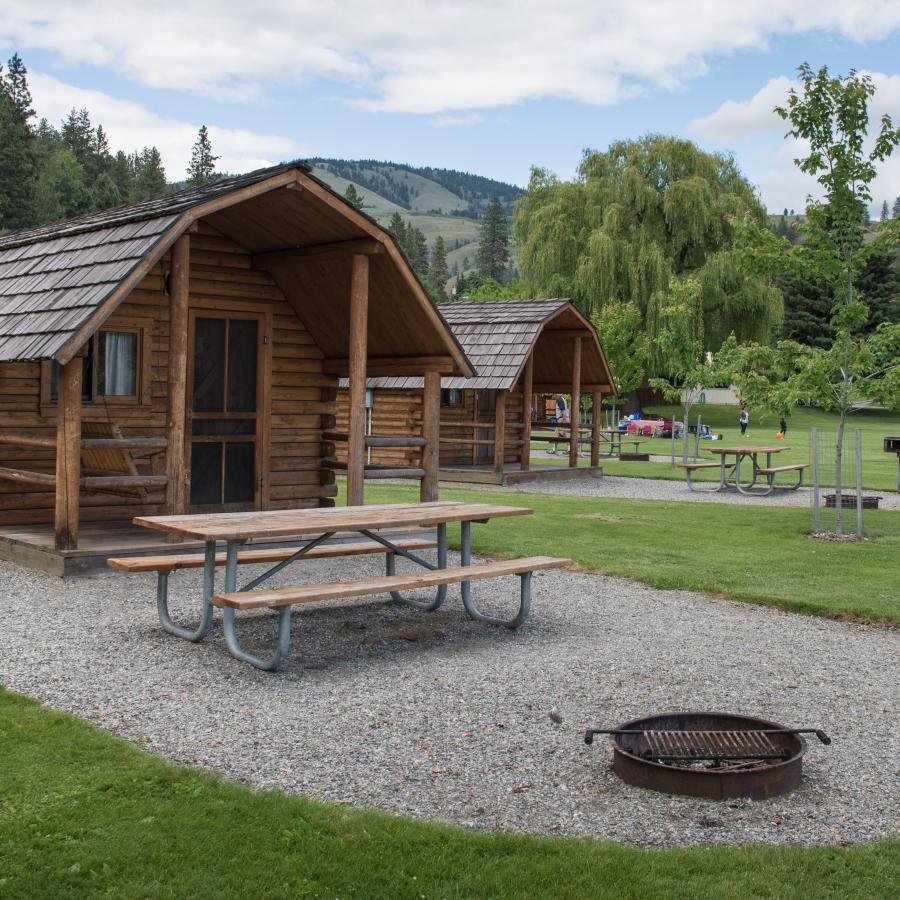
[118, 375]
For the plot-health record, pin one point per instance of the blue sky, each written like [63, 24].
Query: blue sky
[489, 89]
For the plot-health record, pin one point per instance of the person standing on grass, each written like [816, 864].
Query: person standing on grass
[744, 418]
[782, 426]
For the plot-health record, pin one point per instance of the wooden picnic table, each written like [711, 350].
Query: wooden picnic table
[313, 528]
[740, 453]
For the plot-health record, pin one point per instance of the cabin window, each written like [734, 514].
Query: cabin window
[113, 369]
[451, 397]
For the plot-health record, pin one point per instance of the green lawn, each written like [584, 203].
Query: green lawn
[879, 468]
[83, 814]
[755, 554]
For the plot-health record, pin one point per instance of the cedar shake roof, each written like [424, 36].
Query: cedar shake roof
[498, 337]
[59, 282]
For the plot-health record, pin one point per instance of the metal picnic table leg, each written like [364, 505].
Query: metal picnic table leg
[465, 552]
[274, 661]
[737, 475]
[206, 607]
[390, 568]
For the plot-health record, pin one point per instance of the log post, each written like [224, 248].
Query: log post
[575, 412]
[356, 426]
[68, 454]
[596, 410]
[527, 381]
[499, 430]
[176, 453]
[431, 431]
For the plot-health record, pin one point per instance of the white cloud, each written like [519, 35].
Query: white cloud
[450, 121]
[131, 126]
[424, 57]
[735, 120]
[781, 183]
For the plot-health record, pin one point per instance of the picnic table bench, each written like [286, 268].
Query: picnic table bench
[740, 453]
[313, 528]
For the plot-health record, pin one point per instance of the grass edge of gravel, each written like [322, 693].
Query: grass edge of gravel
[84, 813]
[763, 555]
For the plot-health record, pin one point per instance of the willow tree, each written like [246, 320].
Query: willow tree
[639, 215]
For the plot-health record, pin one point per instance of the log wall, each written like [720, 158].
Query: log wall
[399, 412]
[302, 401]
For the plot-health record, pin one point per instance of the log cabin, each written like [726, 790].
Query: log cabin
[183, 354]
[524, 352]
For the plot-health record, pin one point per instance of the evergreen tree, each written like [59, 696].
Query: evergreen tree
[121, 170]
[640, 214]
[353, 196]
[885, 211]
[149, 175]
[16, 86]
[398, 229]
[61, 189]
[896, 209]
[18, 151]
[202, 167]
[438, 273]
[879, 287]
[78, 136]
[105, 192]
[807, 311]
[493, 243]
[417, 250]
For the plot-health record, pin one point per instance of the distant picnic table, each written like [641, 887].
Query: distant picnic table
[730, 472]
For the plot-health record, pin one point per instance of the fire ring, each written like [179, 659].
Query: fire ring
[708, 754]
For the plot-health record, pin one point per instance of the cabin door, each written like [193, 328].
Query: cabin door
[224, 420]
[486, 409]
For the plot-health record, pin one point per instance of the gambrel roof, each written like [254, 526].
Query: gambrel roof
[59, 282]
[498, 337]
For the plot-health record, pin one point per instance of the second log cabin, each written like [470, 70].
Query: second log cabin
[524, 352]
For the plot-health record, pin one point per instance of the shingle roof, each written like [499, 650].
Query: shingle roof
[52, 278]
[496, 337]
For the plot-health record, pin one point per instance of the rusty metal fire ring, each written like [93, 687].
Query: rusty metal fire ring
[777, 770]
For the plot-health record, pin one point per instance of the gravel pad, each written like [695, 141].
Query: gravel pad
[436, 716]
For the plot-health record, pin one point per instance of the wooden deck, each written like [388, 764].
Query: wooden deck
[32, 546]
[512, 474]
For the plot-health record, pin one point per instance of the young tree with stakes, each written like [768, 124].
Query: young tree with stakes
[831, 115]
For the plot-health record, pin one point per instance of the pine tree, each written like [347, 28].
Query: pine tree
[105, 192]
[417, 250]
[398, 229]
[61, 189]
[18, 149]
[202, 167]
[78, 136]
[16, 84]
[493, 243]
[438, 273]
[353, 196]
[885, 211]
[895, 212]
[149, 175]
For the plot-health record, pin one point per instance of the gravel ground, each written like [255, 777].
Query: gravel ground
[659, 489]
[439, 717]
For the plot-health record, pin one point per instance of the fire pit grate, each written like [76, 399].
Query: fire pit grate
[705, 754]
